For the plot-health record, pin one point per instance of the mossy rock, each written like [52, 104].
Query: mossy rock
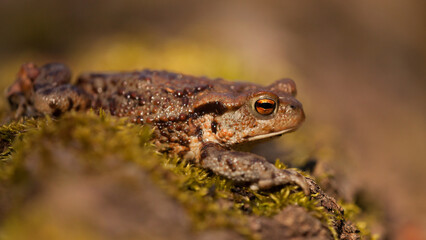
[90, 176]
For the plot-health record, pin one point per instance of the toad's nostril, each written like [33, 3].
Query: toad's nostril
[293, 106]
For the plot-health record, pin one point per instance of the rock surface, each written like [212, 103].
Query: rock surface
[91, 177]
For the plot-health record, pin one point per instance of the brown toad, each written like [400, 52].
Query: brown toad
[197, 118]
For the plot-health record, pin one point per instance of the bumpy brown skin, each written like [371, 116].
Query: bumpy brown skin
[197, 118]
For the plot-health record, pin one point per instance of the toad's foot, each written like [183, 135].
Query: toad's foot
[19, 93]
[45, 90]
[248, 168]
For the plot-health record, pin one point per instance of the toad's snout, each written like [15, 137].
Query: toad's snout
[293, 109]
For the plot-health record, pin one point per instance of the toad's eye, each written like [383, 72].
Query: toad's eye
[265, 106]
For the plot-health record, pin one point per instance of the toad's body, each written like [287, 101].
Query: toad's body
[194, 117]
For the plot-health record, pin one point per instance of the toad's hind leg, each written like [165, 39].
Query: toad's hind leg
[45, 90]
[248, 168]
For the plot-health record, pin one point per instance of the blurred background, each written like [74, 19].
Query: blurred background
[360, 67]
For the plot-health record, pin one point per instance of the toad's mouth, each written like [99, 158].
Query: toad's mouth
[269, 135]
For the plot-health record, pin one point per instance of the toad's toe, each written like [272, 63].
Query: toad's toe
[286, 176]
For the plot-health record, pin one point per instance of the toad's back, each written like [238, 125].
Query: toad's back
[153, 96]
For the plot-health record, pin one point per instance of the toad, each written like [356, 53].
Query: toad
[200, 119]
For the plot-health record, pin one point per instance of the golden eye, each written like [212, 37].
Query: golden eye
[265, 106]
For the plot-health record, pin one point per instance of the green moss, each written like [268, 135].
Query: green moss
[354, 214]
[35, 224]
[8, 134]
[210, 200]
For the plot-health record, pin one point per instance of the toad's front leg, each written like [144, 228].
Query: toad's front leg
[248, 168]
